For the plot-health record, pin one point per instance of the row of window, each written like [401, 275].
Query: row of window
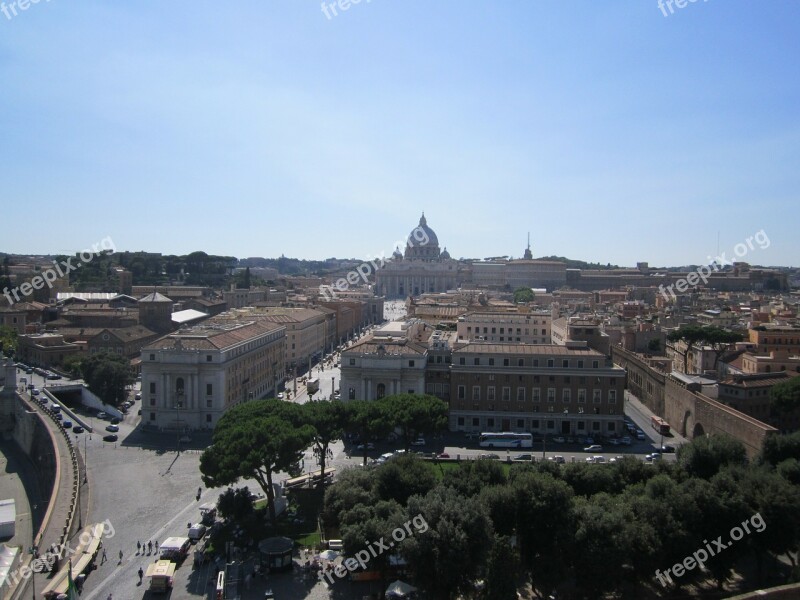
[566, 394]
[520, 362]
[503, 330]
[533, 424]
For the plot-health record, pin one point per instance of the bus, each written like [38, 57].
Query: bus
[506, 440]
[660, 425]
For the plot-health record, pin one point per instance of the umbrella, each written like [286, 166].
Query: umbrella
[329, 555]
[400, 589]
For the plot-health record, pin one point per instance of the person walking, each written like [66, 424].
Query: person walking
[104, 558]
[138, 546]
[141, 575]
[156, 546]
[120, 561]
[149, 547]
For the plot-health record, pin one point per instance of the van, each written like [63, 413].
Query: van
[335, 545]
[197, 531]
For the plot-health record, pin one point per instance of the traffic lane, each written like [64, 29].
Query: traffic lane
[641, 417]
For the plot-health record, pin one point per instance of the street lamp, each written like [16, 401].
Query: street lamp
[178, 405]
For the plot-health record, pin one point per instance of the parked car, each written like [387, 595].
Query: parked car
[527, 457]
[614, 442]
[184, 439]
[640, 434]
[138, 396]
[489, 456]
[67, 424]
[115, 421]
[593, 460]
[443, 455]
[559, 439]
[281, 395]
[77, 429]
[35, 392]
[593, 448]
[370, 446]
[102, 415]
[110, 438]
[626, 440]
[418, 442]
[112, 428]
[667, 448]
[557, 459]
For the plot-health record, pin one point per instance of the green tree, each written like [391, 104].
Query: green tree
[235, 504]
[450, 554]
[523, 295]
[368, 419]
[8, 340]
[778, 448]
[415, 415]
[353, 487]
[72, 365]
[720, 340]
[502, 571]
[107, 375]
[251, 442]
[328, 420]
[784, 397]
[403, 477]
[706, 455]
[691, 335]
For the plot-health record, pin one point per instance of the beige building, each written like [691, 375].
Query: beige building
[504, 327]
[44, 349]
[190, 378]
[567, 390]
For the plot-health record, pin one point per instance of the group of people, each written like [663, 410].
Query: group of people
[140, 547]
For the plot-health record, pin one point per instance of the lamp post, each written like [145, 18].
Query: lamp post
[178, 405]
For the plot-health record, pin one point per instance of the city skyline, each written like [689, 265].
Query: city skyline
[616, 133]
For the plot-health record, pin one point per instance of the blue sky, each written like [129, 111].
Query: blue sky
[611, 132]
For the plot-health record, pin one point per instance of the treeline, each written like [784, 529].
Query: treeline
[580, 530]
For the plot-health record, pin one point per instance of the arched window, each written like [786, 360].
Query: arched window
[381, 390]
[179, 386]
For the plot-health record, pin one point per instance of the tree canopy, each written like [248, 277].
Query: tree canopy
[107, 375]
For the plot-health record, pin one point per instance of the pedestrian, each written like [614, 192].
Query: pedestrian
[156, 546]
[141, 575]
[138, 546]
[105, 558]
[110, 597]
[149, 547]
[120, 560]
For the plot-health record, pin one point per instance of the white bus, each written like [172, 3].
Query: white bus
[506, 440]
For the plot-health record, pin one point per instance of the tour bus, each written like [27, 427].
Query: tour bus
[506, 440]
[660, 425]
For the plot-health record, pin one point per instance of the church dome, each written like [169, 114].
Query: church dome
[445, 254]
[397, 255]
[422, 235]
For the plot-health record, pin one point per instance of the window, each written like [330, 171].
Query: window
[476, 392]
[209, 402]
[152, 387]
[152, 416]
[565, 364]
[612, 396]
[208, 358]
[597, 397]
[506, 362]
[595, 426]
[152, 357]
[520, 362]
[462, 361]
[535, 379]
[490, 393]
[567, 379]
[491, 362]
[535, 362]
[582, 396]
[536, 395]
[506, 394]
[612, 426]
[460, 421]
[462, 392]
[352, 362]
[476, 422]
[381, 390]
[208, 418]
[550, 363]
[411, 363]
[477, 361]
[152, 401]
[566, 395]
[534, 423]
[580, 364]
[551, 424]
[351, 394]
[209, 389]
[581, 425]
[595, 364]
[520, 394]
[551, 394]
[489, 423]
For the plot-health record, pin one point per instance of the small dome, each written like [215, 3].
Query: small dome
[397, 255]
[445, 253]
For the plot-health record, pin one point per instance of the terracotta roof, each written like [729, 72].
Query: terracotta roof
[215, 337]
[547, 349]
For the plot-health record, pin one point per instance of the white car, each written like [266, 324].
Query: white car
[418, 442]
